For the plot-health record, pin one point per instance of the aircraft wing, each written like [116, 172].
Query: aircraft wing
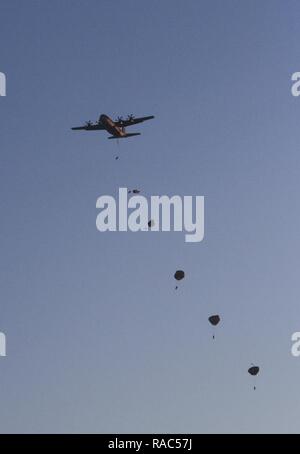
[96, 127]
[133, 121]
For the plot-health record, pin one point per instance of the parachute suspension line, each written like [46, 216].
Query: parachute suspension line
[118, 145]
[255, 383]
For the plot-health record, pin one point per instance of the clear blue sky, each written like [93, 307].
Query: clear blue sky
[97, 339]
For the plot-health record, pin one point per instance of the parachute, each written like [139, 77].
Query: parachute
[179, 275]
[151, 224]
[253, 371]
[214, 320]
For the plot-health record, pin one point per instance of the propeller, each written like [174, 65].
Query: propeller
[119, 119]
[130, 117]
[88, 123]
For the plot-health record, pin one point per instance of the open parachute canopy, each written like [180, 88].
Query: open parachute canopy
[214, 320]
[179, 275]
[254, 370]
[151, 223]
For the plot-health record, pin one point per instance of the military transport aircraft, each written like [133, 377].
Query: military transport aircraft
[115, 128]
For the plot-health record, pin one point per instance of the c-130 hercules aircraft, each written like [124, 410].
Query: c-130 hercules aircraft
[115, 128]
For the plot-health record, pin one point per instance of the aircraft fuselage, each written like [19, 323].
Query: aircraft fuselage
[111, 126]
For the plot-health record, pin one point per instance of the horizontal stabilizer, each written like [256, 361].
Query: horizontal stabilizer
[90, 127]
[126, 135]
